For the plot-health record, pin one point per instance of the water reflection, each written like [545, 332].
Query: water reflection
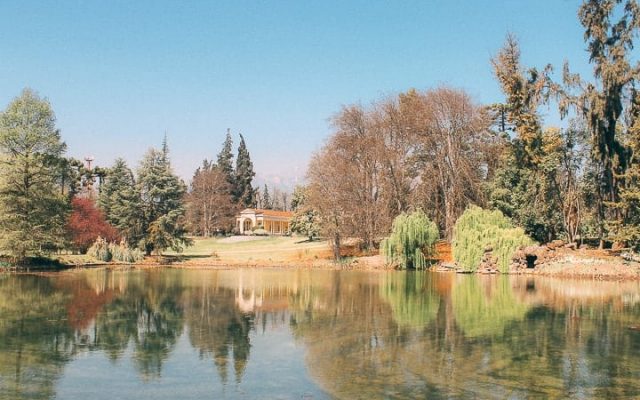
[400, 335]
[35, 339]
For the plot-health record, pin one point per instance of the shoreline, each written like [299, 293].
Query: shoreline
[600, 270]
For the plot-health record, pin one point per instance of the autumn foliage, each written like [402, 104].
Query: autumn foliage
[86, 223]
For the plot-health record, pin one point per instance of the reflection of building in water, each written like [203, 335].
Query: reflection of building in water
[251, 297]
[274, 222]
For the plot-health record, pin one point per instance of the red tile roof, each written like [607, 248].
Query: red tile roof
[270, 213]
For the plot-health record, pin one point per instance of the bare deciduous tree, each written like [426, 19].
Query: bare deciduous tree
[453, 140]
[430, 150]
[210, 206]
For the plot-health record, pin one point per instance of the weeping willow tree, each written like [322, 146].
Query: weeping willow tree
[412, 240]
[477, 230]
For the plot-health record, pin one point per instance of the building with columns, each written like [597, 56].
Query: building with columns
[274, 222]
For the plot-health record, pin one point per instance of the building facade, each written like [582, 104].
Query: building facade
[274, 222]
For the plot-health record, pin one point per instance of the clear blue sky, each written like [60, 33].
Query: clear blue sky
[121, 73]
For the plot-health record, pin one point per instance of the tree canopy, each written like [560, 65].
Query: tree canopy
[162, 201]
[32, 207]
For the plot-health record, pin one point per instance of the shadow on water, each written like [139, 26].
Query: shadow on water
[392, 334]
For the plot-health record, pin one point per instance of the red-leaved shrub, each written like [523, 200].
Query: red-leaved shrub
[86, 223]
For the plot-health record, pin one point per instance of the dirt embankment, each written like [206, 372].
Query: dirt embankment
[593, 264]
[554, 259]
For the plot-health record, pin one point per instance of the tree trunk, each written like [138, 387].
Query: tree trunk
[336, 246]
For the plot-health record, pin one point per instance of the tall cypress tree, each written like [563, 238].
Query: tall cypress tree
[225, 159]
[32, 209]
[267, 203]
[244, 192]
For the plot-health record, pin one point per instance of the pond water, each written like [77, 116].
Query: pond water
[300, 334]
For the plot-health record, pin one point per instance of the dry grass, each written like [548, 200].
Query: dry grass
[272, 250]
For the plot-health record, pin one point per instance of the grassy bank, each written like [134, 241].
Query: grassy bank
[250, 250]
[297, 252]
[261, 251]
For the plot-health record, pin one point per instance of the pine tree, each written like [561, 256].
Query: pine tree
[72, 171]
[119, 200]
[162, 197]
[165, 149]
[32, 207]
[244, 192]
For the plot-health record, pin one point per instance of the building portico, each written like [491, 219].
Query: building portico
[274, 222]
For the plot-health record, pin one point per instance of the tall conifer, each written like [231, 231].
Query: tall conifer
[32, 208]
[267, 203]
[119, 199]
[244, 192]
[162, 197]
[225, 159]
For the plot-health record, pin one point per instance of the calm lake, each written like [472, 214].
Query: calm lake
[300, 334]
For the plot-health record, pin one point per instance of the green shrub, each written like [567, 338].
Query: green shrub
[103, 251]
[413, 237]
[478, 229]
[123, 253]
[100, 250]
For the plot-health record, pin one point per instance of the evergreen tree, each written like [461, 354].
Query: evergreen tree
[244, 192]
[267, 203]
[525, 90]
[604, 103]
[628, 229]
[162, 197]
[119, 200]
[72, 172]
[532, 186]
[32, 208]
[165, 149]
[225, 159]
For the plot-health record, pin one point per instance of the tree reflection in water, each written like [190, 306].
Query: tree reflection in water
[35, 339]
[490, 337]
[217, 329]
[395, 334]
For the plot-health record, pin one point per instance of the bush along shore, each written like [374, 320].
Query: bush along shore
[558, 259]
[486, 242]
